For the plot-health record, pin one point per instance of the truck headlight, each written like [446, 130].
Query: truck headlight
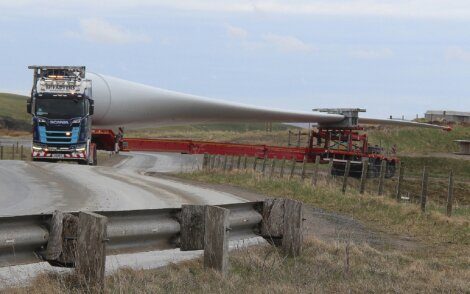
[80, 147]
[37, 147]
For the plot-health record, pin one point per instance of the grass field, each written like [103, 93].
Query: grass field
[438, 261]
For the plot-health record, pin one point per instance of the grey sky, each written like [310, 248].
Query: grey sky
[391, 57]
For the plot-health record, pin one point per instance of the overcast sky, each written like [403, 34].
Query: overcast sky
[391, 57]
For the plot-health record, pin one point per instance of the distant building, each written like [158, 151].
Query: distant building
[448, 116]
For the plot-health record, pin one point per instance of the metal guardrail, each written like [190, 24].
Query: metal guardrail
[24, 238]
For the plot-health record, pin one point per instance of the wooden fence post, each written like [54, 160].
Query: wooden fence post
[216, 233]
[192, 227]
[91, 250]
[292, 168]
[273, 168]
[225, 162]
[239, 161]
[304, 164]
[315, 170]
[205, 161]
[450, 193]
[232, 163]
[255, 163]
[283, 164]
[1, 152]
[330, 167]
[13, 151]
[263, 167]
[365, 170]
[401, 174]
[424, 189]
[346, 175]
[382, 177]
[245, 162]
[212, 162]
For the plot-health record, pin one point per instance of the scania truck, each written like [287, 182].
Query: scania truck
[61, 106]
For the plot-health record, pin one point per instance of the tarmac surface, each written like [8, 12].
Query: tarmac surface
[41, 187]
[121, 184]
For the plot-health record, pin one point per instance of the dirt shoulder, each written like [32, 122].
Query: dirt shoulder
[323, 225]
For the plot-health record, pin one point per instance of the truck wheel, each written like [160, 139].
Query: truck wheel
[94, 158]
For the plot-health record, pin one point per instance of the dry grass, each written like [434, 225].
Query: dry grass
[439, 263]
[379, 212]
[322, 268]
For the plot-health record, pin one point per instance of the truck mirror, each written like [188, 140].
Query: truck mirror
[92, 107]
[28, 106]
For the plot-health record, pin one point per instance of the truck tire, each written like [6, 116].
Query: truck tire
[94, 157]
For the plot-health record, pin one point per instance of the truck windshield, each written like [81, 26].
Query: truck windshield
[60, 107]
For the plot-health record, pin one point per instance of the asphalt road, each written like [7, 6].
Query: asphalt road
[38, 187]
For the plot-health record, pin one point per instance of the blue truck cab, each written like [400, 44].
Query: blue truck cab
[61, 107]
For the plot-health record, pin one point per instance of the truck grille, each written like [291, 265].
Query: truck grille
[58, 135]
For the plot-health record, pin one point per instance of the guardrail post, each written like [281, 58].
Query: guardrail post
[216, 238]
[54, 244]
[62, 244]
[192, 227]
[292, 168]
[282, 224]
[13, 151]
[315, 170]
[292, 238]
[91, 249]
[365, 170]
[346, 175]
[424, 189]
[450, 194]
[21, 152]
[283, 164]
[1, 152]
[382, 177]
[401, 173]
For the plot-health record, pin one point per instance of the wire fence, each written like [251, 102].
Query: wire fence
[438, 191]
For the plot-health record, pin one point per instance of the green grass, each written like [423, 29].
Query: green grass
[14, 106]
[418, 140]
[437, 166]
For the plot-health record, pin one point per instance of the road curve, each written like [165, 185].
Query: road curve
[39, 187]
